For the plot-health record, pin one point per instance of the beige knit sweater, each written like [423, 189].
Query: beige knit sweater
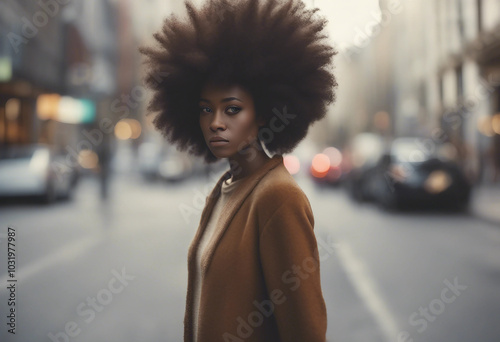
[228, 187]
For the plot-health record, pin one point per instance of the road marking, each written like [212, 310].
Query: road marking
[63, 255]
[367, 290]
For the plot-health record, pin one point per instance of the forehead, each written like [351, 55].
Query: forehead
[216, 91]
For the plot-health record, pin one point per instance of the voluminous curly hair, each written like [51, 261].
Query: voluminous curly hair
[272, 48]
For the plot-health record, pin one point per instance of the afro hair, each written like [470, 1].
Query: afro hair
[273, 48]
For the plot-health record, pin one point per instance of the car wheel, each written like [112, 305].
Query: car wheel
[50, 193]
[388, 201]
[357, 193]
[461, 206]
[68, 194]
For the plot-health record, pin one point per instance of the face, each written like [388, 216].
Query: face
[229, 113]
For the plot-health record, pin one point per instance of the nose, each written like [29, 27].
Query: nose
[217, 122]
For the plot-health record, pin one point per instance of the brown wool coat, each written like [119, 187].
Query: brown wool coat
[261, 271]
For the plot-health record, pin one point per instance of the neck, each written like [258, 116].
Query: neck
[244, 164]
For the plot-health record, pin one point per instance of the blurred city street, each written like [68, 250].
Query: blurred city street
[378, 269]
[98, 208]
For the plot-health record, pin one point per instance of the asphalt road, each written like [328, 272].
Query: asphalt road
[92, 271]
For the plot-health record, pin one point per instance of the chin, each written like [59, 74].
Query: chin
[221, 154]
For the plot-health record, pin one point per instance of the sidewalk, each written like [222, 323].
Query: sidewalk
[485, 202]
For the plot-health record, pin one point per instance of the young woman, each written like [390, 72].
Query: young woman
[240, 80]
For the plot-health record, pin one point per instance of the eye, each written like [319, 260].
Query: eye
[202, 108]
[234, 109]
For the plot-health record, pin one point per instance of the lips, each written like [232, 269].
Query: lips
[217, 139]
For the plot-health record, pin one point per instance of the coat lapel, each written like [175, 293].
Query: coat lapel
[229, 210]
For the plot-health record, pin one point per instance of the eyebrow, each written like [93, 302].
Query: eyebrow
[227, 99]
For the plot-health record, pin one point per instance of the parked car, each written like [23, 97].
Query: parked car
[363, 153]
[149, 155]
[36, 170]
[175, 166]
[410, 176]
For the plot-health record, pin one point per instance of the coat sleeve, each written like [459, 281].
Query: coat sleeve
[290, 263]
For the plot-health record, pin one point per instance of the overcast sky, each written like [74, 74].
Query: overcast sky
[346, 17]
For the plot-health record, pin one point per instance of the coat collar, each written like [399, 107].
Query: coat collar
[229, 210]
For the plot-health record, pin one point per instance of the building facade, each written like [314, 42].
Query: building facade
[433, 68]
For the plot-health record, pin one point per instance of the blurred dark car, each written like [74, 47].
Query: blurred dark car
[363, 153]
[37, 170]
[408, 176]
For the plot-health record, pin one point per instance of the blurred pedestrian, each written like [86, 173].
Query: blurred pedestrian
[104, 157]
[245, 77]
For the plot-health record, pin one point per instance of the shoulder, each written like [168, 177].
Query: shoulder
[278, 184]
[276, 189]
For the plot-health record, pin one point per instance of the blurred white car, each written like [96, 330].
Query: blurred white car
[149, 159]
[161, 161]
[175, 165]
[35, 170]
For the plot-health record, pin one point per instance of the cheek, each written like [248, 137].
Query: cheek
[246, 124]
[203, 123]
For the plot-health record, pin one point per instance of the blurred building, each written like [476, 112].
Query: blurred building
[148, 17]
[31, 63]
[429, 69]
[66, 69]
